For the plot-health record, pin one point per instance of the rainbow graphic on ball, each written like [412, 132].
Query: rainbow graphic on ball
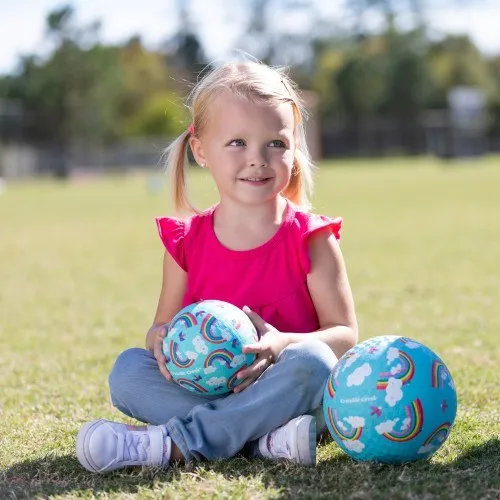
[438, 370]
[177, 358]
[208, 333]
[439, 435]
[187, 318]
[220, 355]
[233, 381]
[405, 374]
[415, 414]
[189, 384]
[353, 435]
[332, 382]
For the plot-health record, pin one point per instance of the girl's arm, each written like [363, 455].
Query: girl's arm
[331, 294]
[170, 301]
[332, 298]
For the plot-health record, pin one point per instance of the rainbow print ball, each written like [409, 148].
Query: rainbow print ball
[203, 346]
[390, 399]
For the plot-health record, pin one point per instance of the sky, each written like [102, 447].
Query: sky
[22, 23]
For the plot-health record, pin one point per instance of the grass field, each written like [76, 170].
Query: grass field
[79, 278]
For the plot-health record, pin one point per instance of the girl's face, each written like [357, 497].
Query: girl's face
[248, 147]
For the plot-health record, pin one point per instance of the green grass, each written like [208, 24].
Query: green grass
[79, 279]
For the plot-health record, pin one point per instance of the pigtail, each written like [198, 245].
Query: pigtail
[300, 187]
[176, 164]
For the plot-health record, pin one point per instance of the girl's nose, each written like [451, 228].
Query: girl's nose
[258, 160]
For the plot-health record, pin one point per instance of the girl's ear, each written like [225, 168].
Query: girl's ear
[197, 149]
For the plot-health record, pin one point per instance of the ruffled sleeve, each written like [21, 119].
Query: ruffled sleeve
[172, 233]
[313, 225]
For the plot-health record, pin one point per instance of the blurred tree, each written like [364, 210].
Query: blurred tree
[361, 84]
[87, 93]
[456, 61]
[147, 104]
[409, 81]
[494, 67]
[161, 115]
[70, 96]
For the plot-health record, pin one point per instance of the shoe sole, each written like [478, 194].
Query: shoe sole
[306, 439]
[82, 441]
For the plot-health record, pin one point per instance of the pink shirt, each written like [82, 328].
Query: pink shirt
[270, 279]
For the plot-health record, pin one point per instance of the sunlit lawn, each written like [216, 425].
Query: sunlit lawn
[80, 268]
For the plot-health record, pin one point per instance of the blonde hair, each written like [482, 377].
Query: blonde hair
[254, 81]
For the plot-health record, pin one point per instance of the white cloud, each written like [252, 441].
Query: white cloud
[386, 426]
[200, 345]
[216, 381]
[209, 369]
[238, 360]
[406, 424]
[426, 449]
[396, 369]
[355, 421]
[226, 334]
[412, 345]
[358, 376]
[393, 390]
[191, 355]
[356, 446]
[341, 426]
[392, 354]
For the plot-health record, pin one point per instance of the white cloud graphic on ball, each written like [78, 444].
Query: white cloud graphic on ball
[226, 334]
[216, 381]
[386, 426]
[238, 360]
[426, 448]
[393, 390]
[355, 421]
[200, 345]
[358, 376]
[412, 345]
[392, 354]
[356, 446]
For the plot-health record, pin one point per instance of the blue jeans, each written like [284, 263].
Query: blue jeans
[219, 426]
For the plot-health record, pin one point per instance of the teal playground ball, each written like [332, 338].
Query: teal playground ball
[203, 346]
[390, 399]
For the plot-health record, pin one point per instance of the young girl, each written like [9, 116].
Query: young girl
[258, 248]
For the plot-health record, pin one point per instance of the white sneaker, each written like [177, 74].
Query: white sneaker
[295, 441]
[103, 446]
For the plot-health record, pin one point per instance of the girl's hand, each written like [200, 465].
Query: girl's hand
[159, 335]
[268, 348]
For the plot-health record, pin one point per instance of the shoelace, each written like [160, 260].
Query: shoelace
[136, 446]
[278, 445]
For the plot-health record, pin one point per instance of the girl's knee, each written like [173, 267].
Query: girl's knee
[129, 369]
[312, 356]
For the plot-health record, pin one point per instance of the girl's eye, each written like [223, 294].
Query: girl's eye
[277, 144]
[236, 142]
